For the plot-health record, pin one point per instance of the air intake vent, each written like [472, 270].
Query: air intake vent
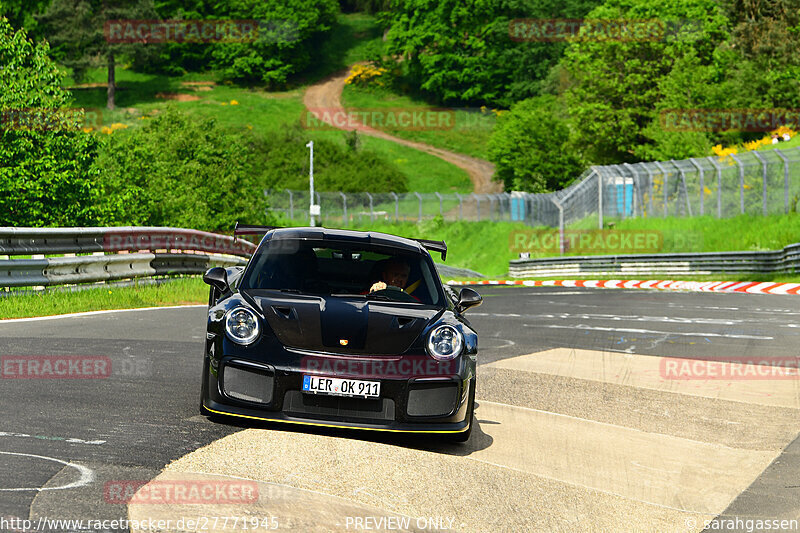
[248, 384]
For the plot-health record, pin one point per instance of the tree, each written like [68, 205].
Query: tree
[76, 30]
[531, 147]
[20, 13]
[46, 174]
[468, 53]
[615, 85]
[289, 35]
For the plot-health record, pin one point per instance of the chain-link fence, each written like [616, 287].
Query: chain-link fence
[755, 183]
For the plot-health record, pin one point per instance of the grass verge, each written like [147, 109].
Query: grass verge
[183, 291]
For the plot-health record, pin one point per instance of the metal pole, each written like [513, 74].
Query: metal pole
[439, 196]
[371, 212]
[419, 197]
[491, 207]
[291, 204]
[477, 206]
[719, 185]
[649, 186]
[785, 180]
[344, 208]
[560, 225]
[741, 182]
[664, 192]
[599, 196]
[460, 205]
[396, 206]
[310, 146]
[683, 183]
[702, 184]
[764, 182]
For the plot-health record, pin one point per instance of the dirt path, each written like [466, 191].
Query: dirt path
[327, 95]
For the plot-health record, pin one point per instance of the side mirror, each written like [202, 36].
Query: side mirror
[217, 277]
[468, 299]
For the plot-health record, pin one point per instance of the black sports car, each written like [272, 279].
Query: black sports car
[342, 329]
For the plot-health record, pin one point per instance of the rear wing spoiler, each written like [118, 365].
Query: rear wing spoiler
[248, 229]
[435, 246]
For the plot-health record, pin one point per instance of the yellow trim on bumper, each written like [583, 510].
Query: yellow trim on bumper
[330, 425]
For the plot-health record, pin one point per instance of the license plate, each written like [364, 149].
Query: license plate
[341, 387]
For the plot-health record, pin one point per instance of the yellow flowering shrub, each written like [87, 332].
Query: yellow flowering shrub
[364, 75]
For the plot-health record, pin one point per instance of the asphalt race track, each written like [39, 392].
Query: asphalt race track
[594, 414]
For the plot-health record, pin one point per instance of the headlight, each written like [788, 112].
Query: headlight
[241, 324]
[445, 343]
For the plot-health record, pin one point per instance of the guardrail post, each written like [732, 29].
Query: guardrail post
[702, 184]
[785, 180]
[763, 182]
[460, 205]
[371, 212]
[439, 196]
[741, 184]
[344, 208]
[396, 206]
[419, 197]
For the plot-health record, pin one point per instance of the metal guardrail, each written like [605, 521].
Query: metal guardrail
[786, 260]
[117, 253]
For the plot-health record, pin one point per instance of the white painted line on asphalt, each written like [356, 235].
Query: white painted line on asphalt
[633, 330]
[91, 313]
[58, 439]
[87, 474]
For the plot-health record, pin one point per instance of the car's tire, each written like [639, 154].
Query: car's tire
[464, 435]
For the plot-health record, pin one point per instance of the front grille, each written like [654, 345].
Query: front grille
[250, 385]
[315, 405]
[432, 399]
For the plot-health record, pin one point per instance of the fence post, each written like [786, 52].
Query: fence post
[477, 206]
[664, 191]
[560, 225]
[491, 206]
[764, 182]
[741, 182]
[683, 184]
[396, 206]
[599, 196]
[650, 188]
[291, 205]
[439, 196]
[719, 184]
[344, 208]
[702, 185]
[460, 205]
[785, 180]
[419, 197]
[371, 212]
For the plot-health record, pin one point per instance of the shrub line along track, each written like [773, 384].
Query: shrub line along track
[327, 95]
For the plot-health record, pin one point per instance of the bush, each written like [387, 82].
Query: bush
[531, 147]
[175, 171]
[46, 174]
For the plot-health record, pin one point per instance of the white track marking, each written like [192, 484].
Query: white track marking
[87, 474]
[91, 313]
[634, 330]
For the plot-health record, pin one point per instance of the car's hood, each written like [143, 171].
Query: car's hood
[351, 325]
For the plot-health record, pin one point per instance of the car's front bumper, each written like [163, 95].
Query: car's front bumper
[418, 404]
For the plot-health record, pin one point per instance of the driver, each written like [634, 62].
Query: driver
[395, 273]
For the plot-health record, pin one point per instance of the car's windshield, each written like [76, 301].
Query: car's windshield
[343, 269]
